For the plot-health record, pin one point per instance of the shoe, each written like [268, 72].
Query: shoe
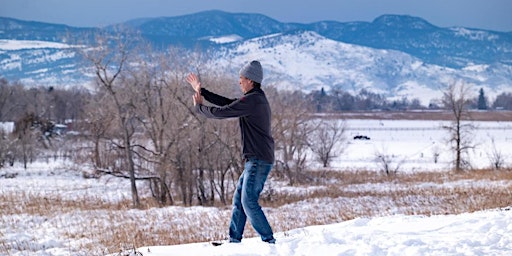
[270, 240]
[234, 240]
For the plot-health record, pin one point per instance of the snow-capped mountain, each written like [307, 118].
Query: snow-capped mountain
[40, 63]
[453, 47]
[307, 61]
[398, 56]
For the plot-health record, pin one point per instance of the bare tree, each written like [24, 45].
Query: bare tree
[6, 92]
[110, 60]
[387, 163]
[326, 139]
[5, 154]
[97, 127]
[224, 160]
[496, 157]
[456, 99]
[31, 133]
[436, 153]
[222, 157]
[291, 128]
[165, 116]
[185, 151]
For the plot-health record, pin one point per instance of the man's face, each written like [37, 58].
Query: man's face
[245, 84]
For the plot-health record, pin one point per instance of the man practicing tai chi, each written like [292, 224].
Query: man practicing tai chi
[253, 112]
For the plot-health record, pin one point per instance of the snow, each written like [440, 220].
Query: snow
[476, 68]
[10, 45]
[302, 60]
[410, 144]
[308, 61]
[225, 39]
[479, 233]
[7, 127]
[474, 34]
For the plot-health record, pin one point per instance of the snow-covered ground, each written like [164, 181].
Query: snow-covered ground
[410, 145]
[479, 233]
[413, 145]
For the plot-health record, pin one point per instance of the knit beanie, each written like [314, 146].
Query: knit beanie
[252, 71]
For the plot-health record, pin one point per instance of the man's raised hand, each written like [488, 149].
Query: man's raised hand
[193, 80]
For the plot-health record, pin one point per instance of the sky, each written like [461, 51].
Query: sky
[482, 14]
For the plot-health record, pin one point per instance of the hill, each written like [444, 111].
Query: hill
[395, 55]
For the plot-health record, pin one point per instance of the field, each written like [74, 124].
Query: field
[51, 209]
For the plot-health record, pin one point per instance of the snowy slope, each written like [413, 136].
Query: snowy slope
[307, 61]
[41, 63]
[479, 233]
[396, 55]
[388, 233]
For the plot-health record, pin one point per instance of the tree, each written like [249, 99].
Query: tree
[97, 127]
[343, 101]
[110, 60]
[14, 100]
[503, 101]
[325, 138]
[5, 149]
[29, 132]
[291, 127]
[496, 157]
[456, 100]
[366, 100]
[387, 163]
[163, 111]
[6, 91]
[482, 100]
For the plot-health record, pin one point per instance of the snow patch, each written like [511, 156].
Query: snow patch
[479, 233]
[225, 39]
[11, 45]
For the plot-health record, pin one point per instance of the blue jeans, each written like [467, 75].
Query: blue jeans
[245, 202]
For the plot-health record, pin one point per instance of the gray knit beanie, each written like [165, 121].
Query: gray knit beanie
[252, 71]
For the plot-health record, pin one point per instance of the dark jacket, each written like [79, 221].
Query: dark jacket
[253, 111]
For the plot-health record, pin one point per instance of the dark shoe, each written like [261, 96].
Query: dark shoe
[234, 240]
[270, 240]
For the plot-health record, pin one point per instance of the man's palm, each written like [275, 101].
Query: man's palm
[193, 80]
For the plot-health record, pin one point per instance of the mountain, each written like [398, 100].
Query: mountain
[210, 23]
[308, 61]
[452, 47]
[14, 29]
[396, 55]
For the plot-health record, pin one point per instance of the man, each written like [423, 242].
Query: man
[253, 111]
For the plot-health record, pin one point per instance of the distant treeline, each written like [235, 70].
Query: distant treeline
[68, 104]
[339, 101]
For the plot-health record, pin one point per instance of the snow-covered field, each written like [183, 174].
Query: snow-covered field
[479, 233]
[410, 145]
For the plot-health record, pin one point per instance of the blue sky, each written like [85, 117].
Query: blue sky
[485, 14]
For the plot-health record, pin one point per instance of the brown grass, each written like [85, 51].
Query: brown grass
[424, 115]
[98, 228]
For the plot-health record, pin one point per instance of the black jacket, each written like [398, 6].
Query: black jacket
[253, 111]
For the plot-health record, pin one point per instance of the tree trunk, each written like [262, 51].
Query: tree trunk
[131, 169]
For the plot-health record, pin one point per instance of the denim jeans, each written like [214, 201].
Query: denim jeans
[245, 202]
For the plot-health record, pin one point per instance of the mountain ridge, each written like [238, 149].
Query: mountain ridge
[451, 47]
[394, 54]
[348, 67]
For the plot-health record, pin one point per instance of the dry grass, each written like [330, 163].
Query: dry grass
[94, 227]
[424, 115]
[349, 195]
